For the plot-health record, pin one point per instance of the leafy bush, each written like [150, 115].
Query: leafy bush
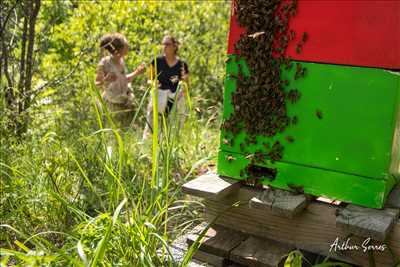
[60, 187]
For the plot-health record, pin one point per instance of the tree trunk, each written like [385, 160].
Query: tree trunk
[31, 11]
[35, 5]
[18, 68]
[4, 56]
[26, 13]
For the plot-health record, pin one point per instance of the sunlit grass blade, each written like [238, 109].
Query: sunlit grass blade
[101, 247]
[294, 259]
[145, 95]
[187, 94]
[21, 246]
[81, 253]
[154, 156]
[87, 180]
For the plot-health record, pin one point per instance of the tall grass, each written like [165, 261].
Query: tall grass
[67, 202]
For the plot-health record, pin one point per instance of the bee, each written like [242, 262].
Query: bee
[304, 38]
[292, 34]
[230, 158]
[293, 95]
[318, 113]
[285, 82]
[289, 139]
[250, 156]
[255, 35]
[298, 48]
[289, 65]
[300, 71]
[294, 120]
[296, 188]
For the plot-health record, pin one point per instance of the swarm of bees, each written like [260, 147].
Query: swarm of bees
[260, 101]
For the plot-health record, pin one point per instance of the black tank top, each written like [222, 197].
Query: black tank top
[169, 77]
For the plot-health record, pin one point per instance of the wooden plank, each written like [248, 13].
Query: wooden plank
[180, 247]
[280, 202]
[218, 240]
[313, 230]
[211, 186]
[209, 258]
[393, 200]
[366, 222]
[260, 252]
[177, 256]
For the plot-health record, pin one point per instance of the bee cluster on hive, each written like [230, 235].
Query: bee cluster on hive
[259, 101]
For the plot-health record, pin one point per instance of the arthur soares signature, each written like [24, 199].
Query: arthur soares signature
[347, 245]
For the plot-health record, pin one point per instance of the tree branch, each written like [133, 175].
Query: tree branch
[58, 80]
[3, 25]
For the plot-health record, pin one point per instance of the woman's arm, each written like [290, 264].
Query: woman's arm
[101, 78]
[139, 70]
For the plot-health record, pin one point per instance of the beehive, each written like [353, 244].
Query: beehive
[346, 143]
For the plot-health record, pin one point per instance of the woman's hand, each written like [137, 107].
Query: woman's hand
[140, 69]
[101, 78]
[151, 82]
[181, 93]
[184, 75]
[110, 77]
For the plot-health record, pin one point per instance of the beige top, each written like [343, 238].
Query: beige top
[118, 91]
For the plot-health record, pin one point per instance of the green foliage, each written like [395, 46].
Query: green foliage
[72, 47]
[65, 200]
[60, 185]
[294, 259]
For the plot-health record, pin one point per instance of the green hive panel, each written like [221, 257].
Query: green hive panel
[319, 182]
[350, 143]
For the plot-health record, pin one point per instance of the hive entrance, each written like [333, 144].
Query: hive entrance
[259, 172]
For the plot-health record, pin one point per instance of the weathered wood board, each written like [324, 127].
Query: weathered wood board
[393, 200]
[260, 252]
[218, 240]
[368, 223]
[210, 186]
[313, 230]
[280, 202]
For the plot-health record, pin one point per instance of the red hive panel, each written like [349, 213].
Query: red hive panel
[349, 32]
[234, 34]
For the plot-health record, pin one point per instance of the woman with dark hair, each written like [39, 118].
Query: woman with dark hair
[170, 70]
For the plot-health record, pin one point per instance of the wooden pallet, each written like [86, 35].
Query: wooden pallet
[267, 224]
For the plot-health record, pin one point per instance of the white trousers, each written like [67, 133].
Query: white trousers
[162, 103]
